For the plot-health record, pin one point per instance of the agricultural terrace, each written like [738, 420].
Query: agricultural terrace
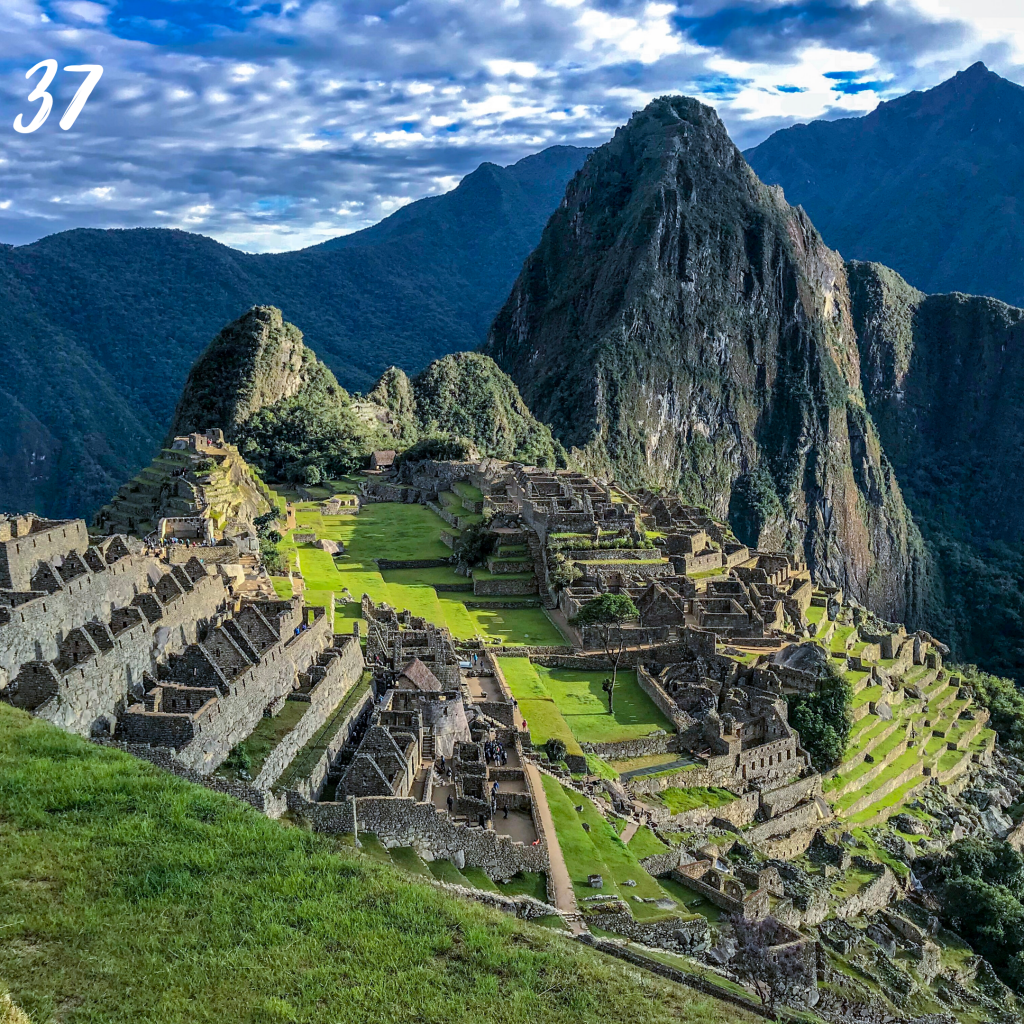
[571, 705]
[400, 532]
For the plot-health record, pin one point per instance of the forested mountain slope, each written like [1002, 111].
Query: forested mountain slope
[930, 184]
[100, 327]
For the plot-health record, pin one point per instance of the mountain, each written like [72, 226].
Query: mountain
[943, 376]
[681, 325]
[289, 416]
[100, 327]
[930, 184]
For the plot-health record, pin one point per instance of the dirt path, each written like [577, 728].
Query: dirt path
[561, 883]
[629, 831]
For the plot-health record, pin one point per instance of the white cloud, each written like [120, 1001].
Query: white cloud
[343, 111]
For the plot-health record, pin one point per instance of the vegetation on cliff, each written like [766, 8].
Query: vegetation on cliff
[824, 718]
[291, 418]
[943, 377]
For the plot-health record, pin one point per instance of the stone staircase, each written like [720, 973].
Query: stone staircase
[427, 751]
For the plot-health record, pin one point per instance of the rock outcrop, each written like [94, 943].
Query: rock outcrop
[681, 326]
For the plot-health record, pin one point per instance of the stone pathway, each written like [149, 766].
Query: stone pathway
[561, 883]
[629, 831]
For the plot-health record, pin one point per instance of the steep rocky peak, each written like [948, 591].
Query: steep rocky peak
[682, 326]
[255, 361]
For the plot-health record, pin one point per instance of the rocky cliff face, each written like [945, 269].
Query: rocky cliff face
[681, 326]
[943, 376]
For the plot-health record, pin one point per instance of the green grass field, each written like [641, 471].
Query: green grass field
[399, 532]
[128, 896]
[599, 852]
[678, 800]
[551, 697]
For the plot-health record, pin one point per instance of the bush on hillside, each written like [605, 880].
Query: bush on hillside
[1005, 702]
[475, 544]
[440, 447]
[983, 900]
[824, 718]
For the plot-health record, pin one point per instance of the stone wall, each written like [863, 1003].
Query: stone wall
[309, 787]
[411, 563]
[662, 701]
[525, 907]
[659, 742]
[20, 556]
[342, 673]
[37, 626]
[777, 801]
[611, 554]
[92, 691]
[874, 896]
[797, 818]
[631, 956]
[431, 833]
[205, 738]
[679, 936]
[498, 586]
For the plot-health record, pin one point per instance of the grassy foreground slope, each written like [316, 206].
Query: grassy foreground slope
[129, 895]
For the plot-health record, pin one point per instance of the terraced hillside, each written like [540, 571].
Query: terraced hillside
[178, 482]
[912, 723]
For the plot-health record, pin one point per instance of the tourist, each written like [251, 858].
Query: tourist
[451, 803]
[505, 809]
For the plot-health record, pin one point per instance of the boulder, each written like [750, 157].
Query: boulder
[996, 822]
[332, 547]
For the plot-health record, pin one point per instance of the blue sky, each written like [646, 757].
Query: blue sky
[271, 126]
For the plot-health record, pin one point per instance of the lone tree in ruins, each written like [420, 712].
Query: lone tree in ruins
[609, 613]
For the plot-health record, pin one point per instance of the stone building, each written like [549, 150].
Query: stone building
[83, 622]
[211, 696]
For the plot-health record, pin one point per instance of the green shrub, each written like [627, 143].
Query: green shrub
[555, 749]
[824, 718]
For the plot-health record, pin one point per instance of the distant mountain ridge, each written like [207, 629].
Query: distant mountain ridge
[930, 184]
[100, 327]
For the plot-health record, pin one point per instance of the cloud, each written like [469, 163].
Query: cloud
[278, 125]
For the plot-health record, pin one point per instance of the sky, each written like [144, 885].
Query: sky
[273, 126]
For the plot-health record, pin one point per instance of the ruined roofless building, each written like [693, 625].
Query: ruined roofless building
[82, 622]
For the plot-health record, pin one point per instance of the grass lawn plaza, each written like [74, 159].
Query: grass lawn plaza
[129, 896]
[400, 532]
[601, 852]
[570, 704]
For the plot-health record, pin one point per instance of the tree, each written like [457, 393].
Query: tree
[824, 718]
[475, 544]
[556, 749]
[609, 613]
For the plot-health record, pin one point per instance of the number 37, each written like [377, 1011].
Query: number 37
[92, 73]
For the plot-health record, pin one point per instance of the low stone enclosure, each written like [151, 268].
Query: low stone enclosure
[429, 831]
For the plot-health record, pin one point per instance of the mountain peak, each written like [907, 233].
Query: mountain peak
[672, 313]
[253, 362]
[925, 184]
